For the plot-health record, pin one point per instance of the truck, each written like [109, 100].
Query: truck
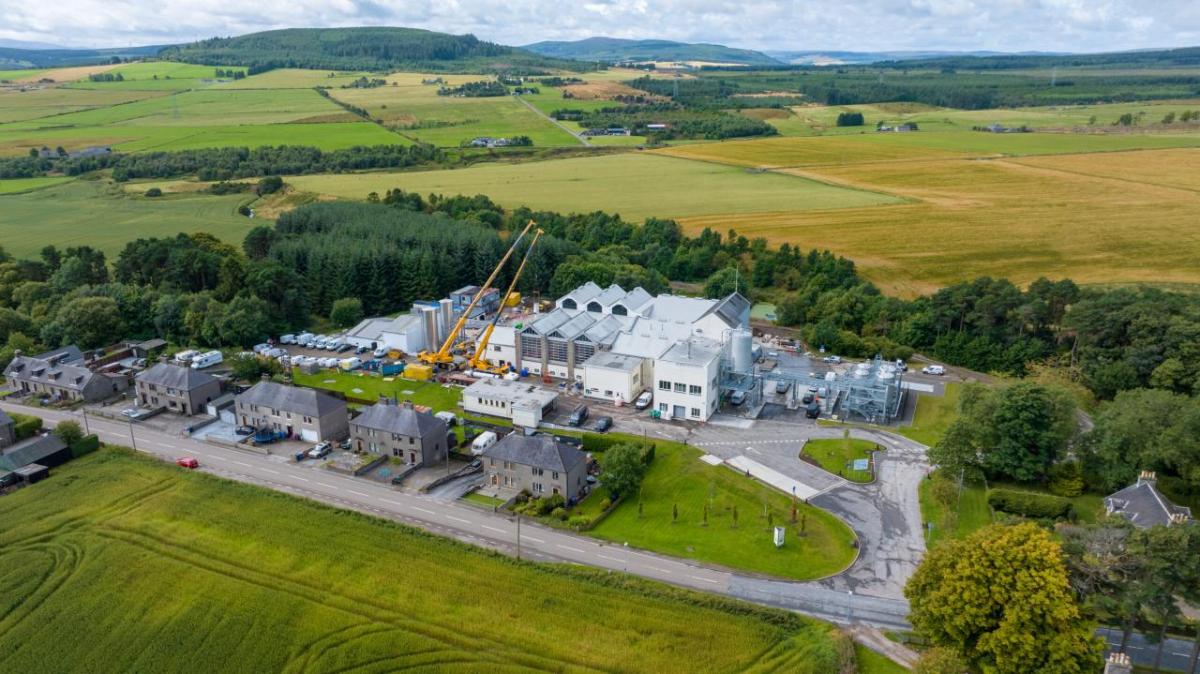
[207, 359]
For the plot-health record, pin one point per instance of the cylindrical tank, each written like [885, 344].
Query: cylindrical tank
[830, 376]
[886, 373]
[433, 324]
[446, 309]
[861, 371]
[742, 350]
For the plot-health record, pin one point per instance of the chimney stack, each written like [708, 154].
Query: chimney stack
[1118, 663]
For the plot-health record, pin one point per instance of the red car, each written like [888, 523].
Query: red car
[187, 462]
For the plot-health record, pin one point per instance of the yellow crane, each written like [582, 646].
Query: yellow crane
[479, 361]
[443, 356]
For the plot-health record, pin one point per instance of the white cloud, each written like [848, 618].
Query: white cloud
[1004, 25]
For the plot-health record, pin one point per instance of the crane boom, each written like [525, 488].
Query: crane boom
[477, 361]
[442, 355]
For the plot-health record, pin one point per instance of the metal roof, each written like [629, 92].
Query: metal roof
[291, 399]
[613, 361]
[539, 451]
[734, 310]
[401, 420]
[582, 294]
[30, 450]
[610, 296]
[175, 376]
[695, 351]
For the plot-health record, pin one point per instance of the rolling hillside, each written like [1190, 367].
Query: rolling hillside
[613, 49]
[370, 48]
[14, 58]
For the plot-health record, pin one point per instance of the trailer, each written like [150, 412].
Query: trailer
[265, 436]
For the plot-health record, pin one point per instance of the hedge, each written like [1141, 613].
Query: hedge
[1029, 504]
[86, 445]
[26, 426]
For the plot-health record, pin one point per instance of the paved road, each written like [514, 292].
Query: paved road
[1176, 652]
[482, 527]
[577, 136]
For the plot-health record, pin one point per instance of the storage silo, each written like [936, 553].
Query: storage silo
[742, 351]
[446, 310]
[431, 321]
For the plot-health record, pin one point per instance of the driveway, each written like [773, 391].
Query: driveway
[885, 515]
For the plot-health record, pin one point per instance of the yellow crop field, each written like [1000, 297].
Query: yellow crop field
[779, 152]
[1096, 218]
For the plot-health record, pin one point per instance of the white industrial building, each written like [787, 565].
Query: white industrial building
[523, 403]
[615, 344]
[425, 327]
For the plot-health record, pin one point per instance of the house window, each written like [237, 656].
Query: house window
[538, 471]
[554, 475]
[594, 307]
[569, 304]
[694, 390]
[664, 385]
[680, 387]
[695, 411]
[662, 407]
[538, 488]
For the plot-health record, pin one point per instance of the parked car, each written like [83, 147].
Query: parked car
[901, 365]
[381, 352]
[602, 424]
[578, 416]
[132, 412]
[643, 401]
[262, 348]
[782, 387]
[344, 347]
[287, 339]
[305, 338]
[833, 360]
[808, 398]
[320, 450]
[737, 398]
[812, 411]
[345, 444]
[361, 350]
[244, 430]
[449, 417]
[477, 463]
[187, 462]
[934, 369]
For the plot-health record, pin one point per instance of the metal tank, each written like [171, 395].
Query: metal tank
[742, 351]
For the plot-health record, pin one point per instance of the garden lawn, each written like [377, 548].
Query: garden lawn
[369, 387]
[122, 563]
[836, 455]
[972, 513]
[677, 477]
[870, 662]
[933, 416]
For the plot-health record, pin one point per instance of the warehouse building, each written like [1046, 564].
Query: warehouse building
[524, 404]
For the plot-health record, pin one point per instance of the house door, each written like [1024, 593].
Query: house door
[360, 444]
[412, 457]
[679, 412]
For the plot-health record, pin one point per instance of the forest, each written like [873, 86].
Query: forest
[680, 123]
[363, 48]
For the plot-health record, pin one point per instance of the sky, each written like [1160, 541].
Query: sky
[799, 25]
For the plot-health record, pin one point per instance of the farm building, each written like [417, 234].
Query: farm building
[30, 459]
[538, 464]
[524, 404]
[402, 432]
[177, 388]
[299, 412]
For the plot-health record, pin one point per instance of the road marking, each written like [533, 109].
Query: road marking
[302, 479]
[430, 512]
[611, 559]
[567, 547]
[168, 446]
[707, 580]
[535, 540]
[268, 470]
[661, 570]
[358, 493]
[499, 531]
[243, 464]
[395, 503]
[458, 519]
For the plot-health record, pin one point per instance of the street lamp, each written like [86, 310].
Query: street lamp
[849, 606]
[626, 556]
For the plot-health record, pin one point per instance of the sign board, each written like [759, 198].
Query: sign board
[779, 536]
[862, 464]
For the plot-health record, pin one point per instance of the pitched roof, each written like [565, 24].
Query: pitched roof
[68, 354]
[74, 377]
[1143, 505]
[734, 310]
[30, 450]
[539, 451]
[175, 376]
[611, 295]
[401, 420]
[291, 398]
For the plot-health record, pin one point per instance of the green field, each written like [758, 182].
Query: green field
[98, 213]
[168, 570]
[677, 477]
[19, 185]
[634, 185]
[933, 416]
[292, 78]
[870, 662]
[835, 455]
[371, 387]
[155, 76]
[17, 105]
[970, 513]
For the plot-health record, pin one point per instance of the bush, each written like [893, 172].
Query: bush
[559, 514]
[346, 312]
[269, 185]
[154, 192]
[578, 522]
[1029, 504]
[605, 505]
[26, 426]
[85, 446]
[69, 432]
[1066, 479]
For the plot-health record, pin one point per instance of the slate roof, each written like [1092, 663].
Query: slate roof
[176, 377]
[1143, 505]
[69, 354]
[539, 451]
[303, 401]
[401, 420]
[30, 450]
[74, 377]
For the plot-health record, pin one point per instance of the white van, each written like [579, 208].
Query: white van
[207, 359]
[483, 441]
[305, 338]
[448, 417]
[349, 364]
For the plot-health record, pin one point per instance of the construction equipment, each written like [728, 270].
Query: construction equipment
[444, 356]
[479, 361]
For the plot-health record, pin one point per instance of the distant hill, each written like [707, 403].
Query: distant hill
[11, 58]
[820, 58]
[1146, 58]
[26, 44]
[610, 50]
[368, 48]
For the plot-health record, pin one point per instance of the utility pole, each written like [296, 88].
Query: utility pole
[132, 439]
[86, 431]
